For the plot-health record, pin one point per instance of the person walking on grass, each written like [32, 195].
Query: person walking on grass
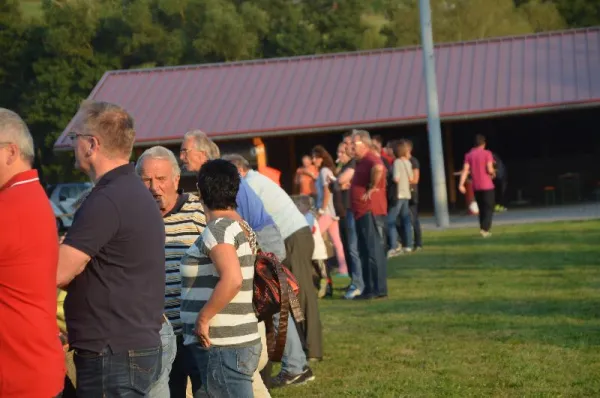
[479, 162]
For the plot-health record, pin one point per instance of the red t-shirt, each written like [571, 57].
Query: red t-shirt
[477, 159]
[32, 362]
[360, 183]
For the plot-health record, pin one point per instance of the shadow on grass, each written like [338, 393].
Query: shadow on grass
[478, 260]
[533, 237]
[583, 309]
[564, 323]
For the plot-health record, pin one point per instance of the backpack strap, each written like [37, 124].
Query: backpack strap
[276, 342]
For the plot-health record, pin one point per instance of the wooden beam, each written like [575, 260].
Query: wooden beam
[450, 164]
[293, 162]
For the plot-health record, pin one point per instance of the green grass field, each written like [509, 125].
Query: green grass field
[512, 316]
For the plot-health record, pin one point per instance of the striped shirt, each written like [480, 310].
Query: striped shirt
[183, 225]
[236, 324]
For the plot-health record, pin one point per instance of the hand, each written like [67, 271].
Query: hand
[367, 195]
[201, 331]
[462, 189]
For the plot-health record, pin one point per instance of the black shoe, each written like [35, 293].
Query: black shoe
[329, 291]
[364, 297]
[381, 297]
[284, 379]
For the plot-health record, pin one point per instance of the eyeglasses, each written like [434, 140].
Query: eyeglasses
[73, 135]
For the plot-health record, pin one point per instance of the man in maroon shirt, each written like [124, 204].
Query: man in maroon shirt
[369, 205]
[480, 163]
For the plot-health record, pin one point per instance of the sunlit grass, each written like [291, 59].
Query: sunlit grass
[515, 315]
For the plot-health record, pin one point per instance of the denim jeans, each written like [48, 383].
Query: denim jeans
[372, 254]
[354, 259]
[160, 389]
[402, 210]
[270, 240]
[293, 360]
[416, 223]
[226, 372]
[110, 374]
[184, 366]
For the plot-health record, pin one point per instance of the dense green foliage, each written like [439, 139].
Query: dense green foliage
[53, 56]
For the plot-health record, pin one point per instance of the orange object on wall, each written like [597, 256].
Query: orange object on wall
[272, 173]
[261, 160]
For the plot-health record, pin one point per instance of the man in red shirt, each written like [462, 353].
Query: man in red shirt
[369, 205]
[480, 163]
[31, 355]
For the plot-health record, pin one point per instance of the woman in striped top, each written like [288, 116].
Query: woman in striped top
[219, 323]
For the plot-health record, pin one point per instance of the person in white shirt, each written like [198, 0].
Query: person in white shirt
[299, 246]
[402, 175]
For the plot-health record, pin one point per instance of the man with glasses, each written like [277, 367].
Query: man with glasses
[112, 263]
[196, 150]
[32, 362]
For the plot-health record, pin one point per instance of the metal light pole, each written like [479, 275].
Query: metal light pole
[436, 153]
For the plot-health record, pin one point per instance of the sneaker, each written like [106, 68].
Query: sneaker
[322, 288]
[486, 234]
[407, 250]
[352, 293]
[284, 379]
[394, 252]
[418, 248]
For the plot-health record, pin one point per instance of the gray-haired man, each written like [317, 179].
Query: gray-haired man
[196, 150]
[184, 219]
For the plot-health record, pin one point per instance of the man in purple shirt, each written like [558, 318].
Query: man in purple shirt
[480, 163]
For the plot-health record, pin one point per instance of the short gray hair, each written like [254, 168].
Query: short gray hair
[158, 152]
[364, 135]
[203, 143]
[238, 160]
[14, 130]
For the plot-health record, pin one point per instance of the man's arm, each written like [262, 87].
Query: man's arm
[71, 262]
[416, 175]
[376, 174]
[346, 176]
[95, 224]
[463, 178]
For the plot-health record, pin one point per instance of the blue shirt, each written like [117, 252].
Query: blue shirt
[277, 203]
[251, 208]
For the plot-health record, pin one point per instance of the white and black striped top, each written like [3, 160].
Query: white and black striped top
[183, 226]
[236, 324]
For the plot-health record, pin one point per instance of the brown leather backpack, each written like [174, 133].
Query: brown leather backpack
[275, 291]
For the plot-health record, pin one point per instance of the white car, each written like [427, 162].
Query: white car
[63, 220]
[65, 195]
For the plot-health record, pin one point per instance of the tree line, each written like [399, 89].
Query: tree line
[48, 64]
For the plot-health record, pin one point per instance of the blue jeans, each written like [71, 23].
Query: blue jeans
[124, 374]
[294, 358]
[372, 254]
[354, 260]
[400, 209]
[184, 366]
[226, 372]
[160, 389]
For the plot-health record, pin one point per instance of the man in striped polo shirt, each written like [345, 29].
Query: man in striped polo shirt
[185, 220]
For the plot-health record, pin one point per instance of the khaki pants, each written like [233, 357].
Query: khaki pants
[258, 387]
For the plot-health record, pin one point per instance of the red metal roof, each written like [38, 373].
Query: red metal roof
[359, 89]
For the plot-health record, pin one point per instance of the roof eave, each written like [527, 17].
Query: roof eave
[368, 125]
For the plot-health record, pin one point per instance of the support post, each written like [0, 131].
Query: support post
[450, 165]
[438, 175]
